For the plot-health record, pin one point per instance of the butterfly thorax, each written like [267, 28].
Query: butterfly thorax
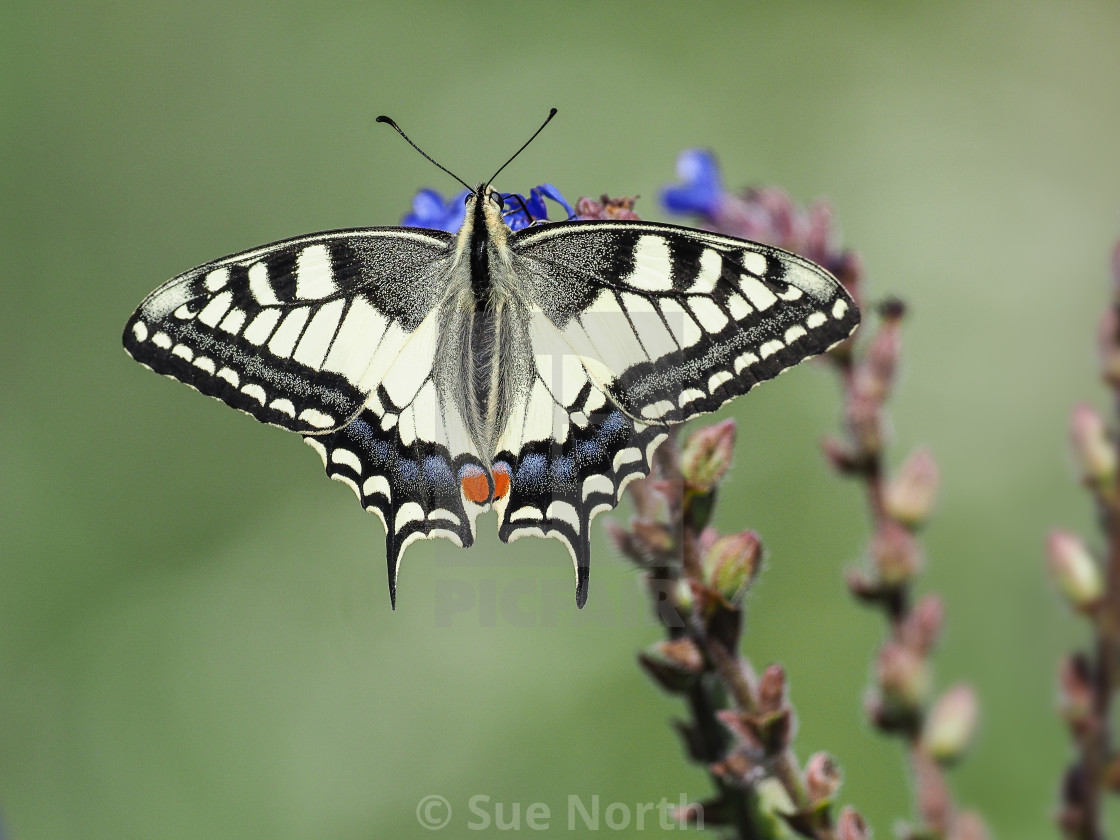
[483, 340]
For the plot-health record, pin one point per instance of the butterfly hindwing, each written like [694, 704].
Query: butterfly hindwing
[296, 333]
[406, 457]
[416, 489]
[557, 487]
[674, 322]
[568, 450]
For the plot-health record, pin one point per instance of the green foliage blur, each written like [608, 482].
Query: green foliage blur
[195, 634]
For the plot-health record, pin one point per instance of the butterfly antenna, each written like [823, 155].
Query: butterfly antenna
[551, 114]
[524, 208]
[397, 128]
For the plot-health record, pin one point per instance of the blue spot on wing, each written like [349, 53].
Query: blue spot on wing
[532, 474]
[408, 472]
[437, 470]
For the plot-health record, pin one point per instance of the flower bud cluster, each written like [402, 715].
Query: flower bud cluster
[768, 729]
[1087, 580]
[725, 565]
[714, 572]
[869, 378]
[902, 700]
[703, 578]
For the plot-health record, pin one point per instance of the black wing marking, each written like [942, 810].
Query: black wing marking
[674, 322]
[299, 332]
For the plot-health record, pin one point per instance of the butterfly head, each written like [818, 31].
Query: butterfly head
[487, 195]
[485, 208]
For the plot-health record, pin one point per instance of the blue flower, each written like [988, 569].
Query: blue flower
[702, 189]
[429, 210]
[521, 212]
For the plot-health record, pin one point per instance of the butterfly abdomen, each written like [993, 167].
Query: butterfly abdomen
[484, 380]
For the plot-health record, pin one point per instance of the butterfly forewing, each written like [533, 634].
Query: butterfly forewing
[674, 322]
[297, 333]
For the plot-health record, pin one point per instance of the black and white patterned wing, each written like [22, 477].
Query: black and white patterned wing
[673, 322]
[569, 453]
[331, 335]
[297, 333]
[637, 326]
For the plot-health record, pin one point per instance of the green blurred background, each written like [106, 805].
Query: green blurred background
[196, 638]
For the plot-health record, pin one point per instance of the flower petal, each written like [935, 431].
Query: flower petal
[524, 211]
[552, 192]
[702, 188]
[430, 211]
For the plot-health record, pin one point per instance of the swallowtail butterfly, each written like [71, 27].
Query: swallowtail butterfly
[533, 372]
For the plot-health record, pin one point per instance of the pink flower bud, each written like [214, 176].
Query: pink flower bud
[850, 826]
[706, 456]
[672, 664]
[1108, 347]
[739, 766]
[866, 425]
[912, 491]
[822, 778]
[951, 724]
[970, 826]
[895, 553]
[772, 689]
[875, 374]
[652, 536]
[903, 677]
[732, 563]
[1092, 446]
[606, 208]
[840, 456]
[1075, 570]
[682, 653]
[865, 587]
[923, 626]
[934, 801]
[1075, 693]
[692, 814]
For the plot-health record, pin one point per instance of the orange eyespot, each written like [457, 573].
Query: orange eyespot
[475, 487]
[501, 481]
